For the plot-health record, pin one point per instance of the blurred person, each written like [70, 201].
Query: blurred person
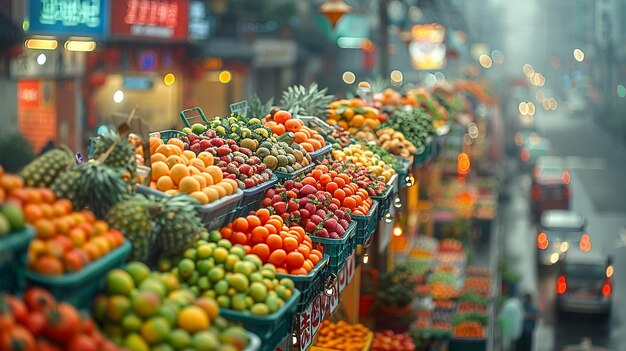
[511, 322]
[525, 342]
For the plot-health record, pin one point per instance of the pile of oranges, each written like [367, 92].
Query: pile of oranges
[289, 249]
[176, 170]
[66, 241]
[282, 122]
[353, 114]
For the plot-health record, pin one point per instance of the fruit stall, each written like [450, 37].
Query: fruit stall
[248, 231]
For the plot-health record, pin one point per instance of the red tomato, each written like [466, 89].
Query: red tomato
[37, 299]
[62, 323]
[44, 345]
[18, 308]
[35, 323]
[81, 342]
[17, 339]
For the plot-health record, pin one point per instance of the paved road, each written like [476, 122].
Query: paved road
[598, 168]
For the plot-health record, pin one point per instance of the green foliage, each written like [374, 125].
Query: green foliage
[472, 316]
[396, 288]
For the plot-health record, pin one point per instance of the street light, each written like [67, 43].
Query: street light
[333, 10]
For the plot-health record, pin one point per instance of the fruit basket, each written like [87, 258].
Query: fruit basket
[310, 285]
[271, 329]
[321, 152]
[13, 259]
[368, 344]
[214, 215]
[338, 250]
[169, 134]
[366, 225]
[385, 200]
[251, 200]
[286, 176]
[184, 116]
[80, 288]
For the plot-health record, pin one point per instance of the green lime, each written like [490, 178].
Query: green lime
[204, 341]
[179, 339]
[186, 267]
[238, 250]
[254, 259]
[204, 251]
[239, 282]
[220, 254]
[131, 323]
[231, 261]
[260, 309]
[225, 244]
[198, 128]
[221, 287]
[287, 283]
[258, 292]
[191, 254]
[215, 236]
[238, 302]
[138, 271]
[223, 301]
[216, 274]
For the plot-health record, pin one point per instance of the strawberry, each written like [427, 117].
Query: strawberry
[305, 214]
[205, 144]
[289, 184]
[270, 193]
[230, 142]
[321, 213]
[249, 183]
[334, 235]
[276, 199]
[323, 233]
[331, 225]
[245, 151]
[292, 206]
[234, 148]
[298, 185]
[333, 207]
[310, 227]
[245, 169]
[344, 223]
[286, 217]
[223, 151]
[217, 142]
[309, 207]
[316, 219]
[267, 202]
[280, 207]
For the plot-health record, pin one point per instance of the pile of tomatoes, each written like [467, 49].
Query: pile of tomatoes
[288, 248]
[39, 322]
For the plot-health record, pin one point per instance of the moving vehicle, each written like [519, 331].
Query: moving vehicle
[584, 283]
[558, 231]
[550, 189]
[532, 149]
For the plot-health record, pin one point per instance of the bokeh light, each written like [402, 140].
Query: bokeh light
[348, 77]
[169, 79]
[485, 61]
[528, 70]
[497, 56]
[579, 55]
[523, 108]
[621, 91]
[225, 77]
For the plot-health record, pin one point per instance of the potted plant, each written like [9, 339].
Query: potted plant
[393, 299]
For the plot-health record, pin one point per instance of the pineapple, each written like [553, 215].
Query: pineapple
[180, 225]
[45, 169]
[91, 185]
[123, 154]
[133, 217]
[299, 100]
[258, 109]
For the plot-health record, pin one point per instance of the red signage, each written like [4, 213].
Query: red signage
[165, 19]
[36, 113]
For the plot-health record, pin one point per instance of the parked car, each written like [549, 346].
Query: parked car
[550, 185]
[585, 284]
[557, 231]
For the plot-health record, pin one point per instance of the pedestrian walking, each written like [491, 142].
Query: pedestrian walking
[511, 322]
[525, 343]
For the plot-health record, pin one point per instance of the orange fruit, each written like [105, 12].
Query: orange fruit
[178, 172]
[260, 234]
[240, 224]
[233, 184]
[173, 160]
[157, 157]
[189, 185]
[278, 258]
[154, 144]
[215, 172]
[290, 244]
[172, 192]
[206, 157]
[165, 183]
[188, 154]
[220, 190]
[200, 180]
[253, 221]
[159, 169]
[294, 260]
[263, 214]
[274, 242]
[32, 213]
[192, 319]
[228, 188]
[261, 250]
[209, 305]
[193, 170]
[211, 193]
[197, 163]
[207, 177]
[168, 150]
[201, 197]
[44, 228]
[176, 142]
[102, 243]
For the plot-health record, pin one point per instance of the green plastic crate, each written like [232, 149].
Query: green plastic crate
[271, 329]
[338, 250]
[321, 152]
[252, 198]
[403, 172]
[366, 225]
[214, 215]
[385, 200]
[80, 288]
[13, 259]
[310, 285]
[287, 176]
[166, 135]
[424, 157]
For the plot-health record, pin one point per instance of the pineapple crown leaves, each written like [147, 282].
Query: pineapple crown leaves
[301, 100]
[259, 109]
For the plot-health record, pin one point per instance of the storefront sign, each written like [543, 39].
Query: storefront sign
[58, 64]
[68, 17]
[166, 19]
[427, 47]
[342, 278]
[36, 111]
[274, 53]
[199, 20]
[305, 331]
[350, 267]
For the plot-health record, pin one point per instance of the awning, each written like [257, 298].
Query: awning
[10, 33]
[225, 48]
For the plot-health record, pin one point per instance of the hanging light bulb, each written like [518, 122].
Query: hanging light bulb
[411, 181]
[388, 218]
[397, 203]
[366, 259]
[294, 339]
[397, 231]
[333, 10]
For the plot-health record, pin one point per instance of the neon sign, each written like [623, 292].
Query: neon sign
[150, 18]
[76, 17]
[161, 13]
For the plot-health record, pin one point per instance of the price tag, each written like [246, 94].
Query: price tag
[306, 332]
[239, 108]
[342, 277]
[334, 300]
[316, 313]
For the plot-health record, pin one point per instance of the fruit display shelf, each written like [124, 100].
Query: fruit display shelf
[338, 250]
[168, 134]
[213, 215]
[425, 156]
[321, 152]
[13, 258]
[404, 171]
[367, 346]
[286, 176]
[251, 200]
[310, 285]
[271, 329]
[366, 225]
[386, 199]
[80, 288]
